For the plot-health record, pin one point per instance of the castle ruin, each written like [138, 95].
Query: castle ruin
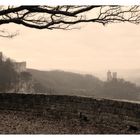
[20, 66]
[111, 76]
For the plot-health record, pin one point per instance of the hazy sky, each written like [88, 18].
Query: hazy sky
[92, 48]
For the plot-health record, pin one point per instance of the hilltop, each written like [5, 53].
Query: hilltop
[62, 82]
[68, 83]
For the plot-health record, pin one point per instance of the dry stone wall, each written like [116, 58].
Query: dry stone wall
[113, 115]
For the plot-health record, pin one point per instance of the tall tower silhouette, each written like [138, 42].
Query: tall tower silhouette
[114, 74]
[109, 76]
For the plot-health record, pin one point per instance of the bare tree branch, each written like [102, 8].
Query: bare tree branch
[66, 16]
[4, 33]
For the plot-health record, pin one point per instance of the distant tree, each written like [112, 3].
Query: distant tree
[39, 88]
[8, 76]
[64, 16]
[120, 89]
[25, 76]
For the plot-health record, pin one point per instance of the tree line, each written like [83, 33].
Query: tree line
[10, 79]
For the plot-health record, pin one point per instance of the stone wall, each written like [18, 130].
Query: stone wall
[114, 116]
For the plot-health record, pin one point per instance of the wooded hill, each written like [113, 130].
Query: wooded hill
[68, 83]
[62, 82]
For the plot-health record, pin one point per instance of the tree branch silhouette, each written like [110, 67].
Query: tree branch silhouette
[66, 16]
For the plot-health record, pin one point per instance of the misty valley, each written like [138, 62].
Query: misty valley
[16, 78]
[59, 102]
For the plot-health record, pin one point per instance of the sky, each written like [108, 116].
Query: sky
[92, 49]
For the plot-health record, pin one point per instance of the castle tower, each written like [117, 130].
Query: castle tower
[114, 74]
[20, 66]
[109, 76]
